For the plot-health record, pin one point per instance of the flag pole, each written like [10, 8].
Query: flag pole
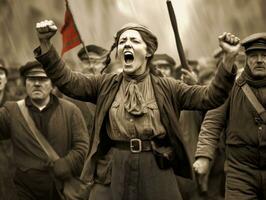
[179, 45]
[81, 41]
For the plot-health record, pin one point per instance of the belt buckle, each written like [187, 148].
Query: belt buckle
[133, 145]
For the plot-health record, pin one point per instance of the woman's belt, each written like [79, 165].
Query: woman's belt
[134, 145]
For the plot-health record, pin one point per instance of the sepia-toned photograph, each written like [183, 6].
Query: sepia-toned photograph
[132, 100]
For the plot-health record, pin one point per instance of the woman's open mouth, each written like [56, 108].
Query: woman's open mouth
[128, 57]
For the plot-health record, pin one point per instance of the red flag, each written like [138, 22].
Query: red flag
[70, 34]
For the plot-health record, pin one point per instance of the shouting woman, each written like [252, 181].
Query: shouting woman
[136, 146]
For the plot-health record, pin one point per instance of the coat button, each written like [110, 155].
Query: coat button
[260, 128]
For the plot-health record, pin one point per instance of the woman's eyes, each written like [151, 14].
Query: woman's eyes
[134, 41]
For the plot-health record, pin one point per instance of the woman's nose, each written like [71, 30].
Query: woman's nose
[128, 44]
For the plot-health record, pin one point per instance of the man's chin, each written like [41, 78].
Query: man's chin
[259, 74]
[37, 97]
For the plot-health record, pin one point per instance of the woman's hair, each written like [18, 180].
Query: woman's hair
[148, 37]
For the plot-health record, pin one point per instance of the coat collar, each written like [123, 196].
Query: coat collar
[154, 78]
[119, 77]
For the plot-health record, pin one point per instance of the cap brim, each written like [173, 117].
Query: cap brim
[37, 75]
[160, 62]
[255, 48]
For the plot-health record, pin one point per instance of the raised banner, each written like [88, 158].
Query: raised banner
[70, 34]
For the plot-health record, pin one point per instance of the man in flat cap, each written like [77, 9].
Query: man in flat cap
[243, 120]
[93, 58]
[58, 122]
[164, 63]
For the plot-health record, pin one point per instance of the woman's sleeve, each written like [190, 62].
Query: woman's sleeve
[73, 84]
[205, 97]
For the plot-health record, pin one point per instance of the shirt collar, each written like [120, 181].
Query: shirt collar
[53, 101]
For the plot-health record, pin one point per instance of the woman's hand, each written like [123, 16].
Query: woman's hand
[231, 47]
[45, 31]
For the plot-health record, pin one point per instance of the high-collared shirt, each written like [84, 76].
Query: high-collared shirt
[122, 125]
[41, 117]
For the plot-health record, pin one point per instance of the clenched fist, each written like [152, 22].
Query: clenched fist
[46, 29]
[229, 43]
[231, 47]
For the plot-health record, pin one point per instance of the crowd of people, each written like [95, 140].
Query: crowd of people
[135, 126]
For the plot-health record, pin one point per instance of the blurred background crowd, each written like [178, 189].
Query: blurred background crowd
[199, 21]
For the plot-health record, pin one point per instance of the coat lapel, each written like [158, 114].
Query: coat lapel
[104, 103]
[107, 97]
[160, 99]
[162, 96]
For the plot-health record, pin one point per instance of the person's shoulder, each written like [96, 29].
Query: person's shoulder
[66, 103]
[69, 106]
[109, 76]
[10, 103]
[102, 78]
[10, 106]
[165, 80]
[107, 79]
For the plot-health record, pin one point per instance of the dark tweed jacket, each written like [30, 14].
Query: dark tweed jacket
[237, 118]
[171, 96]
[67, 134]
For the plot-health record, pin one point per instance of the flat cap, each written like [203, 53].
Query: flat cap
[3, 67]
[32, 69]
[255, 41]
[163, 59]
[151, 40]
[92, 49]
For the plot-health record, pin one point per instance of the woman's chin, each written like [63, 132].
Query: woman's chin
[129, 69]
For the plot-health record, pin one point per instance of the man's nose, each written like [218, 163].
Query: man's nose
[260, 59]
[37, 82]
